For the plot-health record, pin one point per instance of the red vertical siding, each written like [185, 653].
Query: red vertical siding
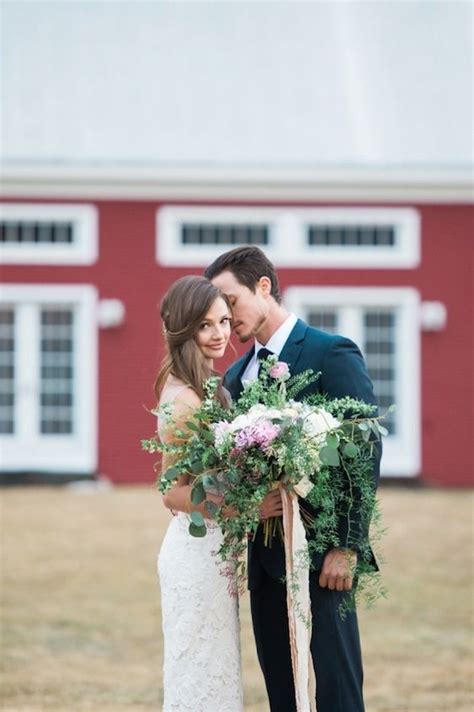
[129, 354]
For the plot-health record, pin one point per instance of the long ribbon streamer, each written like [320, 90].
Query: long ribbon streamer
[298, 603]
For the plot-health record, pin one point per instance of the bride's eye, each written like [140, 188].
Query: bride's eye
[203, 326]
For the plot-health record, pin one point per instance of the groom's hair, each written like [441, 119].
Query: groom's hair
[247, 264]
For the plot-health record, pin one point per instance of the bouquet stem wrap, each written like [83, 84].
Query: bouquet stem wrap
[299, 611]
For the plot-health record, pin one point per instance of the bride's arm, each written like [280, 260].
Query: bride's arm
[178, 497]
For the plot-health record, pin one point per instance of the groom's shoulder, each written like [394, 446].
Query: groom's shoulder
[322, 339]
[324, 343]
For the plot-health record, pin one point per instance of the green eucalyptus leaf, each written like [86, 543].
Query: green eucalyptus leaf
[171, 474]
[206, 435]
[350, 450]
[363, 426]
[209, 482]
[332, 440]
[329, 456]
[374, 426]
[197, 467]
[383, 430]
[193, 426]
[198, 493]
[197, 519]
[211, 507]
[194, 530]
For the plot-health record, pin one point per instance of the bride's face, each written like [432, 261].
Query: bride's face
[213, 334]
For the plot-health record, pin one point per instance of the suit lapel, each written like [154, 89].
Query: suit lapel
[236, 372]
[292, 349]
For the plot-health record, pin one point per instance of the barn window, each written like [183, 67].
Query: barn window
[47, 234]
[351, 235]
[48, 371]
[224, 234]
[321, 238]
[21, 232]
[7, 370]
[361, 237]
[324, 319]
[384, 324]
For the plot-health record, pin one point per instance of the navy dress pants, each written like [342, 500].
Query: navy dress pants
[335, 648]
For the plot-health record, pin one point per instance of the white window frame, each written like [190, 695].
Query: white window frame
[83, 250]
[402, 451]
[170, 251]
[288, 240]
[27, 449]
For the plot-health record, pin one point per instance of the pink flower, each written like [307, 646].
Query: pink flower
[262, 434]
[280, 370]
[244, 438]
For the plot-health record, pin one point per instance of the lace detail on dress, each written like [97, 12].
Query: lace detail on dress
[202, 668]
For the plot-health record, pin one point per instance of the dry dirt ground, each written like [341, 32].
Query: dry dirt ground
[81, 609]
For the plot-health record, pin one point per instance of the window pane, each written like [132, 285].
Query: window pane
[324, 319]
[224, 234]
[33, 232]
[57, 371]
[7, 371]
[337, 236]
[380, 353]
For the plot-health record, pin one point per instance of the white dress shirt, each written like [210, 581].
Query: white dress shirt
[275, 344]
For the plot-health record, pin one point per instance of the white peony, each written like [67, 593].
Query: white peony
[292, 410]
[319, 422]
[256, 412]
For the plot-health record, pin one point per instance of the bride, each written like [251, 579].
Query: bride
[202, 669]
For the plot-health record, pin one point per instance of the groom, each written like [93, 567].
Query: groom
[249, 280]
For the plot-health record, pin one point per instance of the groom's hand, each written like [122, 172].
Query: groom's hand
[271, 505]
[338, 566]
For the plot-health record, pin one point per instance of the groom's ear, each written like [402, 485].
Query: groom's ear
[264, 284]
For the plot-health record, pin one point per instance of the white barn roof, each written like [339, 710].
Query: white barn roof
[136, 89]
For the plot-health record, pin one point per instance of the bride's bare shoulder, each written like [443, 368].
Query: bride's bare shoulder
[177, 405]
[179, 396]
[186, 398]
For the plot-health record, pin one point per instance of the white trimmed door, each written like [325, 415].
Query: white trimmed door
[385, 324]
[48, 378]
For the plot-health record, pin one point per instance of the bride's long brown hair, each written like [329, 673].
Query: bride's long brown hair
[183, 309]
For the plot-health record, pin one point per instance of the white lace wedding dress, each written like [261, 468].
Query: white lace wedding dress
[202, 665]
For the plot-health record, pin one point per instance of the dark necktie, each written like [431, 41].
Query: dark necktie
[261, 356]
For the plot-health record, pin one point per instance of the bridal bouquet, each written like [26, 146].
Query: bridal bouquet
[318, 450]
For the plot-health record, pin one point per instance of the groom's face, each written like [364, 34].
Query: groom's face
[249, 309]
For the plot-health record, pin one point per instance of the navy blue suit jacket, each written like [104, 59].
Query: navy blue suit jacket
[343, 373]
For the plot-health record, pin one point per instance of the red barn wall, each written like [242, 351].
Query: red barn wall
[129, 355]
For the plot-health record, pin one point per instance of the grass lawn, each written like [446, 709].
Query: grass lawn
[81, 611]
